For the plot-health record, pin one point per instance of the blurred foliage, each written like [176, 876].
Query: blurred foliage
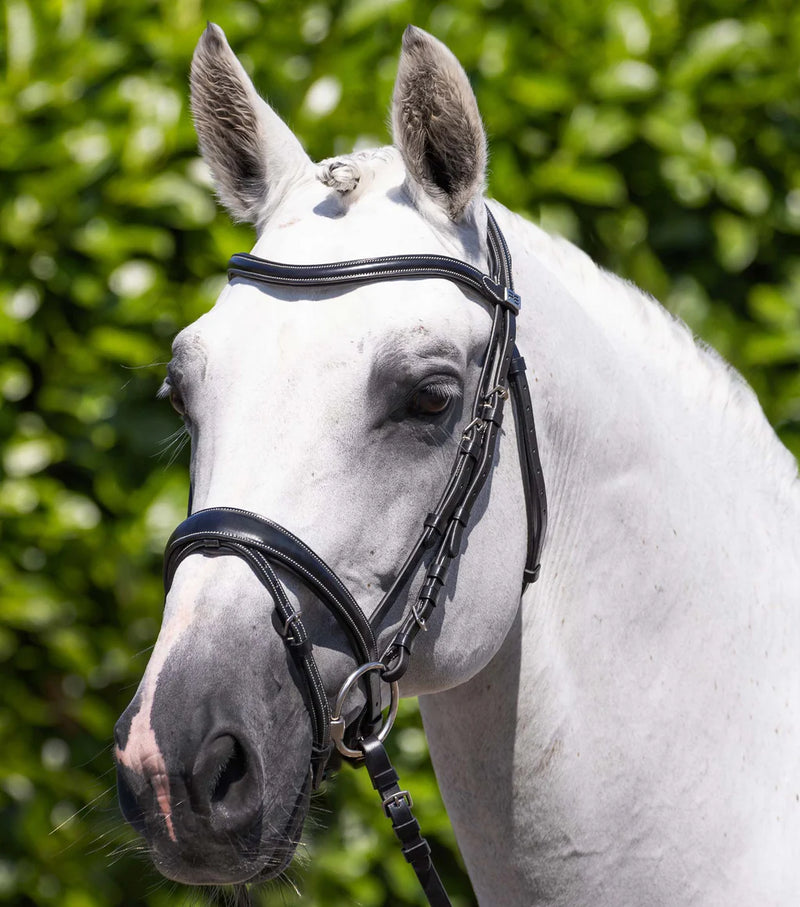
[662, 136]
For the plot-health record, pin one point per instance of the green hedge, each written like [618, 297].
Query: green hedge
[662, 136]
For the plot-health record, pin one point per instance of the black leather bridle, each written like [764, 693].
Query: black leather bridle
[263, 544]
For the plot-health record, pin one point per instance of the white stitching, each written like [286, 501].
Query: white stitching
[368, 640]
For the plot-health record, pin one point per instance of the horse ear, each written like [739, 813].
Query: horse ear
[252, 153]
[436, 123]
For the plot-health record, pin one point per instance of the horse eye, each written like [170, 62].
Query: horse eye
[431, 400]
[169, 391]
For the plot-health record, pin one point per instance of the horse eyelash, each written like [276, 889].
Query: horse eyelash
[168, 390]
[444, 390]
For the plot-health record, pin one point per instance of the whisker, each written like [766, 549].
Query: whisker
[138, 368]
[284, 878]
[143, 651]
[173, 444]
[80, 810]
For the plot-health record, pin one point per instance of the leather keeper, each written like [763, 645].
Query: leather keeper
[406, 826]
[300, 648]
[530, 576]
[436, 522]
[418, 853]
[385, 778]
[470, 445]
[381, 771]
[493, 411]
[430, 591]
[454, 534]
[404, 639]
[438, 572]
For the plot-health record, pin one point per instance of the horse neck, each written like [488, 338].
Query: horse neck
[653, 641]
[659, 461]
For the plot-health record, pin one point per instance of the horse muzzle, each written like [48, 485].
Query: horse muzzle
[213, 753]
[213, 822]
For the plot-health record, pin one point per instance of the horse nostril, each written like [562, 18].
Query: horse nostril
[129, 802]
[221, 783]
[232, 766]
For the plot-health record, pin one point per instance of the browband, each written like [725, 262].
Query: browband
[389, 267]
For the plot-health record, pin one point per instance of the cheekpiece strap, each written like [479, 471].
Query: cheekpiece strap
[503, 375]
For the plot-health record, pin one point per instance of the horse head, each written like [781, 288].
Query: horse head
[335, 411]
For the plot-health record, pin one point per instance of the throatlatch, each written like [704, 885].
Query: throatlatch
[262, 544]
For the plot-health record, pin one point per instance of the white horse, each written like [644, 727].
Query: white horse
[627, 732]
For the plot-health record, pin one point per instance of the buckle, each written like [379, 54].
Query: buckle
[397, 797]
[477, 424]
[500, 390]
[295, 615]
